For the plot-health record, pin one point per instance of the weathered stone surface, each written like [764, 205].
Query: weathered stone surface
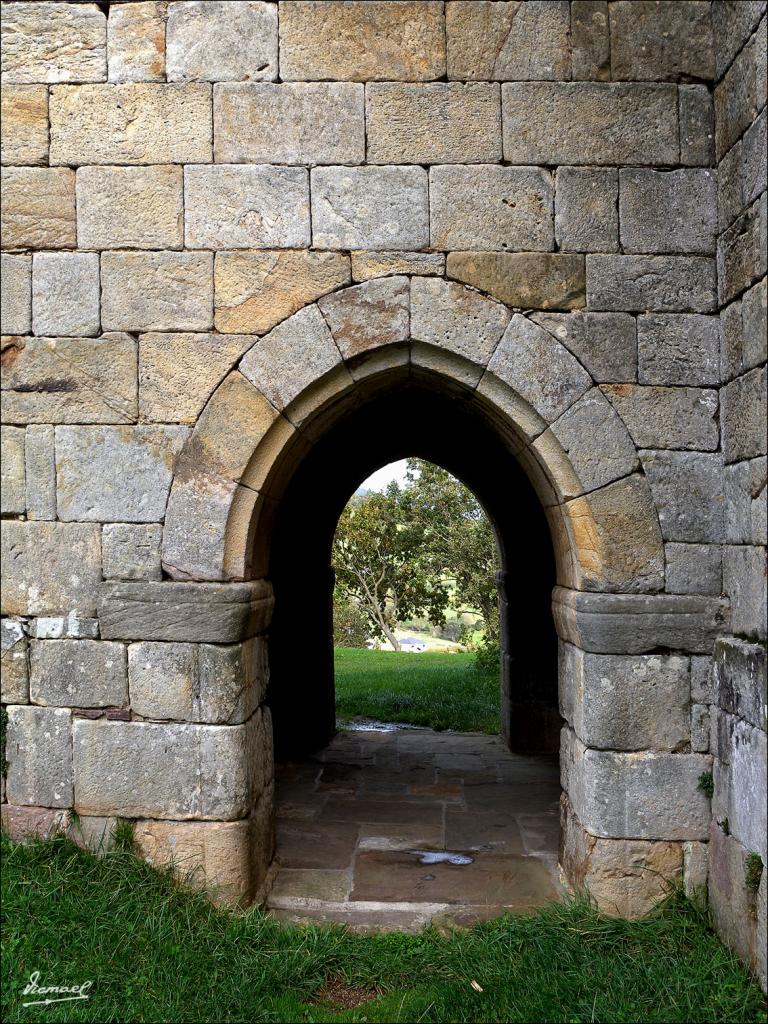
[680, 349]
[586, 214]
[730, 195]
[490, 208]
[24, 124]
[604, 343]
[694, 569]
[134, 123]
[179, 372]
[740, 94]
[157, 291]
[701, 679]
[753, 152]
[667, 40]
[369, 207]
[214, 41]
[744, 411]
[93, 833]
[668, 417]
[455, 318]
[56, 567]
[138, 769]
[740, 680]
[700, 728]
[755, 325]
[668, 211]
[271, 364]
[436, 123]
[130, 207]
[362, 41]
[740, 780]
[626, 702]
[734, 908]
[589, 123]
[508, 41]
[20, 823]
[204, 612]
[15, 294]
[741, 251]
[368, 315]
[289, 123]
[366, 265]
[39, 753]
[744, 574]
[136, 42]
[590, 42]
[54, 42]
[70, 380]
[13, 493]
[14, 677]
[666, 284]
[256, 290]
[228, 206]
[697, 129]
[65, 293]
[131, 552]
[115, 474]
[37, 207]
[78, 673]
[644, 795]
[163, 679]
[688, 491]
[525, 280]
[64, 627]
[733, 24]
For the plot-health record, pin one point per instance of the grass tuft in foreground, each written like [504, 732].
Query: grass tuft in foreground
[442, 691]
[157, 952]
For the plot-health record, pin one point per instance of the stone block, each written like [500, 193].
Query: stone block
[214, 41]
[136, 42]
[731, 341]
[508, 41]
[133, 123]
[201, 612]
[678, 349]
[64, 627]
[95, 834]
[642, 795]
[694, 569]
[527, 280]
[744, 575]
[733, 23]
[455, 318]
[734, 910]
[24, 124]
[370, 207]
[54, 42]
[740, 680]
[130, 207]
[131, 551]
[233, 207]
[14, 677]
[755, 325]
[37, 208]
[741, 251]
[744, 406]
[626, 702]
[115, 474]
[256, 290]
[730, 196]
[21, 823]
[366, 265]
[289, 123]
[442, 122]
[157, 291]
[70, 380]
[738, 96]
[65, 293]
[604, 343]
[362, 41]
[163, 680]
[661, 41]
[754, 157]
[688, 491]
[586, 214]
[39, 754]
[700, 726]
[679, 418]
[490, 207]
[697, 127]
[15, 294]
[701, 679]
[664, 284]
[271, 364]
[56, 568]
[695, 867]
[740, 781]
[589, 123]
[13, 496]
[668, 211]
[590, 42]
[143, 769]
[78, 673]
[179, 372]
[368, 316]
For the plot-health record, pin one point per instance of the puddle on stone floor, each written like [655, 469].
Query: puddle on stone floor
[441, 857]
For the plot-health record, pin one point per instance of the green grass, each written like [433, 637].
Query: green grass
[444, 691]
[157, 952]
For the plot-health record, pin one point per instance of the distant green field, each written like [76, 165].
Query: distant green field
[444, 691]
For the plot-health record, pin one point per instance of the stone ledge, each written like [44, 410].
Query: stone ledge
[639, 623]
[219, 613]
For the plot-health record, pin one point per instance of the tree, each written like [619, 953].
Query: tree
[350, 623]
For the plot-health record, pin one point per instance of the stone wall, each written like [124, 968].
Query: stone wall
[224, 224]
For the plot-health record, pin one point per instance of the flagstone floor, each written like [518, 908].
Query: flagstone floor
[398, 828]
